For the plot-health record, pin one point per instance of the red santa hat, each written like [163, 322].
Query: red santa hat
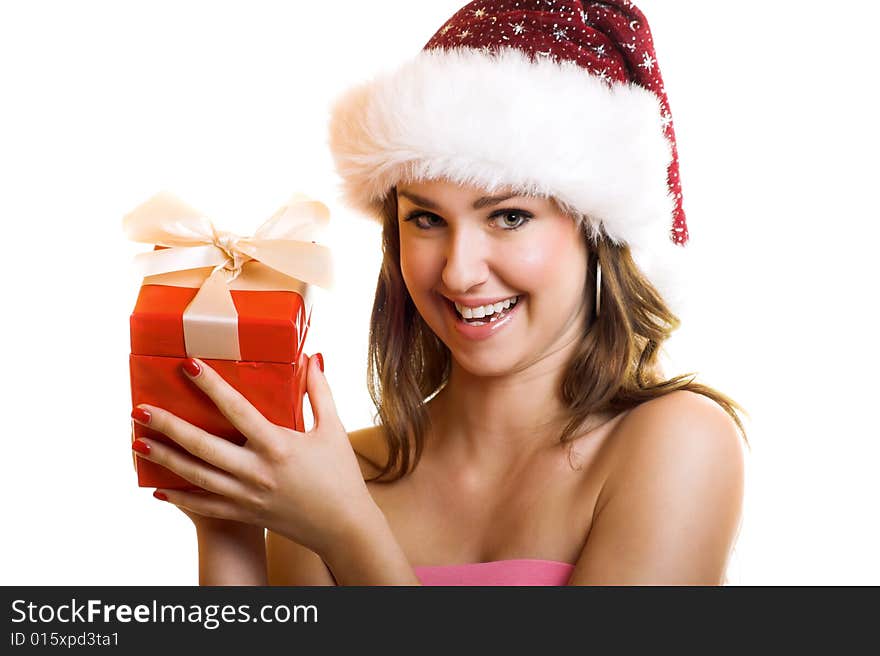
[560, 98]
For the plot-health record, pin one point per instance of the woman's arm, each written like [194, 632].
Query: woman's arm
[290, 563]
[366, 559]
[670, 510]
[231, 553]
[370, 554]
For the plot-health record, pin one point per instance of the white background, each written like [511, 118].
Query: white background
[226, 104]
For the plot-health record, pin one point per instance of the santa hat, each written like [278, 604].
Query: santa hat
[558, 98]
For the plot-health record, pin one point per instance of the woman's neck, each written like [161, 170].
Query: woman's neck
[495, 423]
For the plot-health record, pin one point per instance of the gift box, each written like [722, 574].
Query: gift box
[246, 315]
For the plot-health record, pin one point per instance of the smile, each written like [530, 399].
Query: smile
[482, 324]
[491, 313]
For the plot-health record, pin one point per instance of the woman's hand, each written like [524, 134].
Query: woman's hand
[305, 486]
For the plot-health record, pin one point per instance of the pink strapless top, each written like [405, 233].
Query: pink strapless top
[521, 571]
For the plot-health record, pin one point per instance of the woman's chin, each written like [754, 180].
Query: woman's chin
[483, 365]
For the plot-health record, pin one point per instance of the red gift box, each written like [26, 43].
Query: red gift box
[271, 375]
[240, 304]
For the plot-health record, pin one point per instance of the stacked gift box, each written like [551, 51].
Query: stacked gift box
[246, 319]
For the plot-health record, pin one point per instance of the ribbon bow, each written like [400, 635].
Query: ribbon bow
[283, 244]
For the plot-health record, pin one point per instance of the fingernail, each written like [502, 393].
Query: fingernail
[192, 368]
[140, 415]
[320, 359]
[161, 496]
[141, 447]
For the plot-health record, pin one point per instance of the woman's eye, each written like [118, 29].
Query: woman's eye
[512, 220]
[424, 220]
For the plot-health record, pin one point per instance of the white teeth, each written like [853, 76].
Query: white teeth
[466, 312]
[485, 310]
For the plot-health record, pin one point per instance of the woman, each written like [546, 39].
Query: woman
[525, 173]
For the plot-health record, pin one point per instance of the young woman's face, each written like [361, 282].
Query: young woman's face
[459, 246]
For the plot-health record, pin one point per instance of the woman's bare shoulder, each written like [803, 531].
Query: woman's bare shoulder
[671, 505]
[678, 420]
[371, 449]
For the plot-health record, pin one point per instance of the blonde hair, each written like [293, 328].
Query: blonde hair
[615, 366]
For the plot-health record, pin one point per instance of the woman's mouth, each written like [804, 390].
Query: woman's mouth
[483, 321]
[485, 313]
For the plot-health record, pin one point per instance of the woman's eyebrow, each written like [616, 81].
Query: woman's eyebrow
[478, 204]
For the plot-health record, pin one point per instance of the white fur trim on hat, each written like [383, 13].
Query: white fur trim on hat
[497, 120]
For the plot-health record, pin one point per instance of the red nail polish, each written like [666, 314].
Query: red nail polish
[192, 368]
[141, 447]
[140, 415]
[161, 496]
[320, 359]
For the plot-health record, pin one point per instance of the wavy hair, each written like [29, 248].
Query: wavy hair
[615, 366]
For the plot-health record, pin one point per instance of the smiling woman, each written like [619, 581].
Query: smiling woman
[532, 231]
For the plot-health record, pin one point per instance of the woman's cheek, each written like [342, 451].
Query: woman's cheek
[536, 262]
[418, 264]
[556, 248]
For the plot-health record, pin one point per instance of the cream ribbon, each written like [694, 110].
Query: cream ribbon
[279, 256]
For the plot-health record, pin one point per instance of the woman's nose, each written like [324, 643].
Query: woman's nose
[466, 261]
